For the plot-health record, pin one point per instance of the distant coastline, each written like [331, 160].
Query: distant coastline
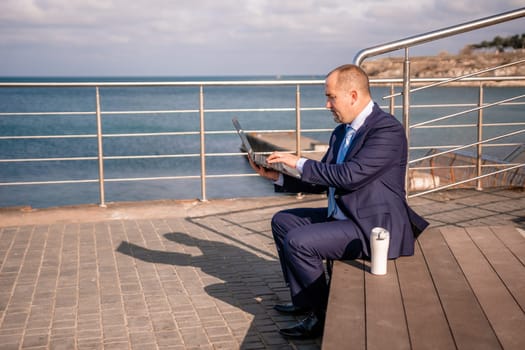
[447, 65]
[443, 65]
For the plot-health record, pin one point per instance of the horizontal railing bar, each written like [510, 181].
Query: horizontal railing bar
[20, 160]
[36, 137]
[268, 131]
[145, 156]
[444, 105]
[433, 147]
[276, 109]
[217, 110]
[494, 165]
[141, 134]
[190, 155]
[232, 110]
[451, 105]
[239, 110]
[219, 176]
[418, 81]
[502, 144]
[443, 167]
[286, 109]
[159, 156]
[218, 132]
[100, 84]
[229, 154]
[265, 131]
[185, 177]
[453, 146]
[151, 112]
[469, 145]
[56, 182]
[465, 181]
[189, 177]
[445, 126]
[174, 133]
[467, 111]
[155, 156]
[29, 114]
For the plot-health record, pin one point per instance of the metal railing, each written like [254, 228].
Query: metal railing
[407, 90]
[100, 136]
[405, 83]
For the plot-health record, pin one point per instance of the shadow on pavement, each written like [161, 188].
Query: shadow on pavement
[251, 284]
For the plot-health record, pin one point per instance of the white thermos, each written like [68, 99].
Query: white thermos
[379, 241]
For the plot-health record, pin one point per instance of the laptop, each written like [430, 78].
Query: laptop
[260, 159]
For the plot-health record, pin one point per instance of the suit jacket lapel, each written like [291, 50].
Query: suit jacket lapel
[338, 141]
[357, 140]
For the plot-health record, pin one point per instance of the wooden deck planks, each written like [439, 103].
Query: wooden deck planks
[503, 313]
[347, 305]
[426, 321]
[466, 319]
[509, 268]
[386, 327]
[514, 242]
[464, 288]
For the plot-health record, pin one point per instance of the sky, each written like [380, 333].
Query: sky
[224, 37]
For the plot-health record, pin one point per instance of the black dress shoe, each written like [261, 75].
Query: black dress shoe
[290, 309]
[311, 327]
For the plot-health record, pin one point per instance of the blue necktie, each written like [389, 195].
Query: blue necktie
[340, 157]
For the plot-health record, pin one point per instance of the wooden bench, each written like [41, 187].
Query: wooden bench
[464, 288]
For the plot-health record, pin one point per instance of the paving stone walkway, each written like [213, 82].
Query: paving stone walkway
[170, 275]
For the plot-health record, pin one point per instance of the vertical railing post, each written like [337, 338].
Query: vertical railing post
[202, 144]
[479, 160]
[100, 152]
[392, 100]
[299, 195]
[298, 120]
[406, 108]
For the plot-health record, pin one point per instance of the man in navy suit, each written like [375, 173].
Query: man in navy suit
[364, 173]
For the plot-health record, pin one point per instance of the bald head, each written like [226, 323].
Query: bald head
[350, 76]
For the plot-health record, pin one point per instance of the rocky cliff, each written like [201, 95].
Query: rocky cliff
[447, 66]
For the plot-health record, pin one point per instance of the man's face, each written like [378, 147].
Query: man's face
[339, 101]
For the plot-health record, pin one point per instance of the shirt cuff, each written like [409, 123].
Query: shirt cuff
[300, 164]
[279, 181]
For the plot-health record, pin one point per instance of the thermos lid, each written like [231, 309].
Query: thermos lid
[379, 233]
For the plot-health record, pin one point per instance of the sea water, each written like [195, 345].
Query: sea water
[79, 103]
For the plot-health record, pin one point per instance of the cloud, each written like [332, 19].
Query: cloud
[190, 22]
[189, 36]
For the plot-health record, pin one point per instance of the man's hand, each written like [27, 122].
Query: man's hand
[264, 172]
[281, 157]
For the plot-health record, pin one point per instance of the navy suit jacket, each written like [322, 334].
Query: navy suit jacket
[370, 183]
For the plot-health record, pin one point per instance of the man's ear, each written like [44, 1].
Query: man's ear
[353, 96]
